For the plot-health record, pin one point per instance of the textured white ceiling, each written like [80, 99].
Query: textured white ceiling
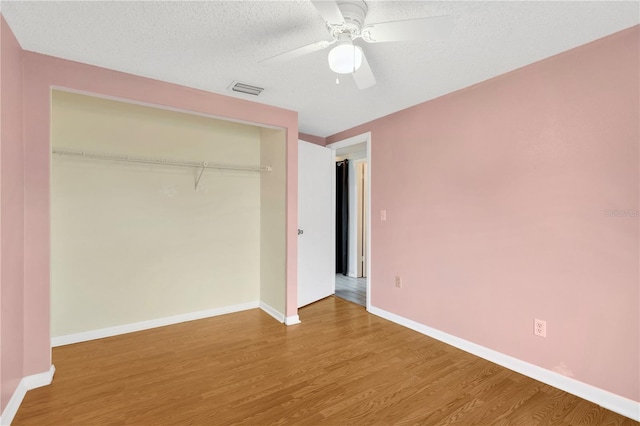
[207, 45]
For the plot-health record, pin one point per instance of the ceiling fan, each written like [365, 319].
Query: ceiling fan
[345, 21]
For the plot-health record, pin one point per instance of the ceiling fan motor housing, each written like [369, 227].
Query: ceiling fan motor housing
[354, 12]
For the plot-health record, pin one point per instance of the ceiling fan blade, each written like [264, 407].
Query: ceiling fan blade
[364, 76]
[411, 29]
[329, 11]
[296, 53]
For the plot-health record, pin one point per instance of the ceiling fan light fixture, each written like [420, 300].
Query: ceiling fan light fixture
[345, 58]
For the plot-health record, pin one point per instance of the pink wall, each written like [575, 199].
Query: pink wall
[11, 215]
[318, 140]
[497, 200]
[43, 72]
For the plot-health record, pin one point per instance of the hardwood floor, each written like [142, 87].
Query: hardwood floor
[341, 366]
[352, 289]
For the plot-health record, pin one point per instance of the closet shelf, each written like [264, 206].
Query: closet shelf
[156, 161]
[202, 165]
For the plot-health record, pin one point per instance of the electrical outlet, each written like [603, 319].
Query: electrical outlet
[398, 281]
[383, 215]
[540, 327]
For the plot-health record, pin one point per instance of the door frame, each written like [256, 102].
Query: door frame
[363, 137]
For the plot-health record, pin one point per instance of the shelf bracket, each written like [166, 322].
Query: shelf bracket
[204, 166]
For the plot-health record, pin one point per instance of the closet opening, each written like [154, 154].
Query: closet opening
[160, 216]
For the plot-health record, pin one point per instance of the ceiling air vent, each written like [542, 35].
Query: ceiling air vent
[246, 88]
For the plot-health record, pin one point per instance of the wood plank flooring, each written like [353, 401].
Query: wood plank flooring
[352, 289]
[341, 366]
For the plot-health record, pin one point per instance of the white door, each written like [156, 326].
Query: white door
[316, 263]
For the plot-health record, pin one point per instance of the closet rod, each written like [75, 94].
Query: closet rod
[157, 161]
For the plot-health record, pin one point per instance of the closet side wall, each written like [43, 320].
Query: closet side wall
[135, 242]
[273, 220]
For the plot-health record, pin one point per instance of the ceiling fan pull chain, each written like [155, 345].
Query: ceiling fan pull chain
[354, 59]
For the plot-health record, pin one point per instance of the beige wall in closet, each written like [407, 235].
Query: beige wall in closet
[135, 242]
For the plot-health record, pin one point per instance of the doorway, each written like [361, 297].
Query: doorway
[352, 219]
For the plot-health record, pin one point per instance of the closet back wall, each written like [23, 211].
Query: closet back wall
[135, 242]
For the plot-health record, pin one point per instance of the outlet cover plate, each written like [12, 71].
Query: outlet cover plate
[540, 327]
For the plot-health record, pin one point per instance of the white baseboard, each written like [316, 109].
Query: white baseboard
[606, 399]
[26, 384]
[272, 311]
[144, 325]
[292, 320]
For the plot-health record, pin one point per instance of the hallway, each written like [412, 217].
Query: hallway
[352, 289]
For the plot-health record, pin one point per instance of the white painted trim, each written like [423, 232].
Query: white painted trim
[14, 403]
[272, 311]
[26, 384]
[292, 320]
[606, 399]
[41, 379]
[145, 325]
[333, 222]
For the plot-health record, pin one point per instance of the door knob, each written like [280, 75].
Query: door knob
[300, 232]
